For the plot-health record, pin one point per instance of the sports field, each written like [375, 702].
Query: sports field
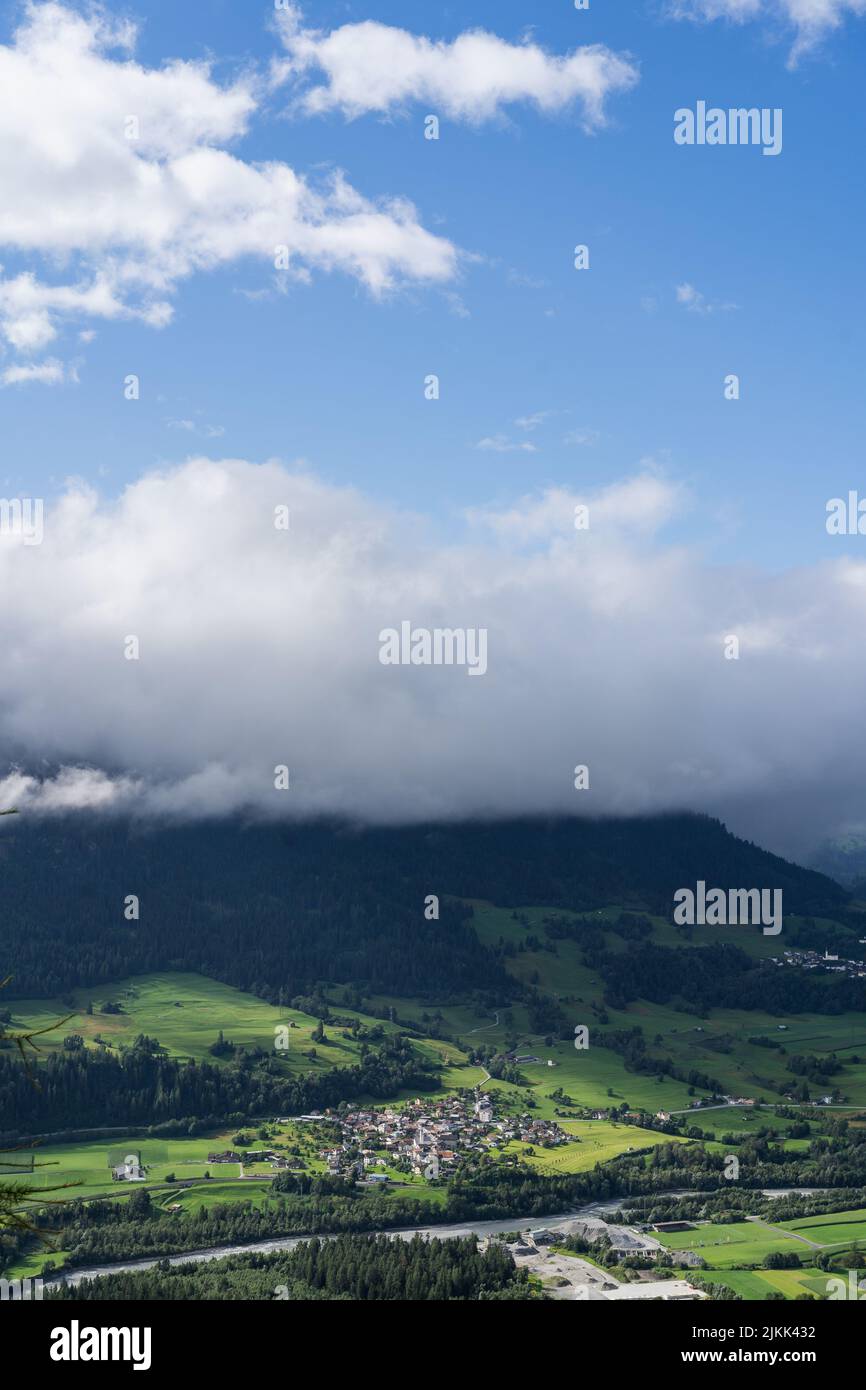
[729, 1246]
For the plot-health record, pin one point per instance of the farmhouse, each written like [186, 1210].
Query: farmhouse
[130, 1170]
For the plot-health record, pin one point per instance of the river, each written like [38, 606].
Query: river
[476, 1228]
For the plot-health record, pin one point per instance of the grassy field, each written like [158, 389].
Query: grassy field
[213, 1193]
[599, 1142]
[741, 1243]
[837, 1228]
[745, 1069]
[186, 1013]
[727, 1248]
[595, 1077]
[88, 1165]
[758, 1284]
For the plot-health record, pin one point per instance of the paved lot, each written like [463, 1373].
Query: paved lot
[587, 1284]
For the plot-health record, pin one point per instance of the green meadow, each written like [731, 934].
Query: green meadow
[717, 1045]
[727, 1246]
[187, 1012]
[597, 1141]
[87, 1166]
[728, 1249]
[192, 1199]
[836, 1228]
[758, 1284]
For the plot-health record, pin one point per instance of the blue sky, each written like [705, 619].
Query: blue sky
[332, 374]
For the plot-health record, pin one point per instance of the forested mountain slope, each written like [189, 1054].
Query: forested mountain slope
[273, 909]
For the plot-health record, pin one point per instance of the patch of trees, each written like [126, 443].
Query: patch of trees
[779, 1259]
[721, 1293]
[733, 1205]
[142, 1087]
[222, 1047]
[817, 1069]
[630, 1044]
[271, 910]
[706, 977]
[107, 1232]
[361, 1268]
[547, 1016]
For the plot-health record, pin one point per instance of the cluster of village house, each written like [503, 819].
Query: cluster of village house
[431, 1137]
[812, 960]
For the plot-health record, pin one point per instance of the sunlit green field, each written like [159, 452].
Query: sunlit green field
[760, 1283]
[186, 1012]
[600, 1141]
[213, 1193]
[833, 1229]
[87, 1166]
[746, 1070]
[749, 1242]
[742, 1243]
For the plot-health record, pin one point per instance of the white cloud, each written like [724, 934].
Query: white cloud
[811, 20]
[70, 789]
[697, 303]
[583, 438]
[259, 647]
[29, 310]
[372, 67]
[131, 209]
[642, 504]
[501, 444]
[532, 422]
[192, 427]
[50, 372]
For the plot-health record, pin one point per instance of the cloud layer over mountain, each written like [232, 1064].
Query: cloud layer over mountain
[259, 647]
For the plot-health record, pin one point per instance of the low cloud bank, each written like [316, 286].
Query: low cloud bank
[259, 648]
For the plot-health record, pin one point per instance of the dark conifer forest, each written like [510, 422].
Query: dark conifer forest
[274, 910]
